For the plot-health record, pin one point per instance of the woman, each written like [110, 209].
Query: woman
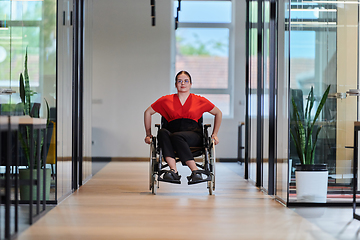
[182, 111]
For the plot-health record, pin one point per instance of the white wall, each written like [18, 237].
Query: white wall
[133, 67]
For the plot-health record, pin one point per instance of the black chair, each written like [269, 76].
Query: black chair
[206, 151]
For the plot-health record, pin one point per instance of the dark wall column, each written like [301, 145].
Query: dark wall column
[260, 97]
[77, 93]
[247, 93]
[272, 95]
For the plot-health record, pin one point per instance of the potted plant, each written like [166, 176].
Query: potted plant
[311, 178]
[31, 110]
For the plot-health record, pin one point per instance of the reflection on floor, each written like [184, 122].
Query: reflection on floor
[117, 204]
[24, 208]
[337, 222]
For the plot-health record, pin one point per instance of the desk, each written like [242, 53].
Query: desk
[10, 126]
[37, 124]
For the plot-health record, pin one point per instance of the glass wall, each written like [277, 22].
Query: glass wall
[259, 99]
[28, 46]
[253, 109]
[265, 94]
[74, 89]
[87, 97]
[29, 27]
[317, 47]
[282, 106]
[31, 35]
[324, 52]
[64, 111]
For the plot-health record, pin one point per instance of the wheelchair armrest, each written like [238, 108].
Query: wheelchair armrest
[157, 125]
[206, 126]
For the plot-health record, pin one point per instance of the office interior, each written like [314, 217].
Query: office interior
[95, 66]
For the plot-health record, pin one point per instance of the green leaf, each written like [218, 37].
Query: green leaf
[311, 101]
[22, 88]
[307, 106]
[27, 102]
[297, 146]
[321, 105]
[47, 112]
[312, 157]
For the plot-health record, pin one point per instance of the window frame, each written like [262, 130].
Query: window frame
[229, 90]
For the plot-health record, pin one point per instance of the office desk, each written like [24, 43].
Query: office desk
[37, 124]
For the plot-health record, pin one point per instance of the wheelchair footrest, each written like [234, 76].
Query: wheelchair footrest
[208, 177]
[200, 181]
[167, 180]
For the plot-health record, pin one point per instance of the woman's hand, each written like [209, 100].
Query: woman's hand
[147, 123]
[217, 122]
[215, 138]
[148, 139]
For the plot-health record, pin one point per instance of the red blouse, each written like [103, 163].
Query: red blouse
[170, 107]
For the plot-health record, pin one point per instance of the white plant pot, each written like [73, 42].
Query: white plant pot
[311, 186]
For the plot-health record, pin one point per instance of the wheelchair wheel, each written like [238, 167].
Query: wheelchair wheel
[153, 168]
[212, 160]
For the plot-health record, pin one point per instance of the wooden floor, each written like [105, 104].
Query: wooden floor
[116, 204]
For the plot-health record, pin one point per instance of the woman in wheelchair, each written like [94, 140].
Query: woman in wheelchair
[182, 112]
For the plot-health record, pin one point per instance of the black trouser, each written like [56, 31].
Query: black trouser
[179, 142]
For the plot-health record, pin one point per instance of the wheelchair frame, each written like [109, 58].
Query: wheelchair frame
[207, 167]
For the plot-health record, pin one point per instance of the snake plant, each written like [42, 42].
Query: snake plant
[304, 126]
[25, 95]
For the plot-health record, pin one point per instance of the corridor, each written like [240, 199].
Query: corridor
[117, 204]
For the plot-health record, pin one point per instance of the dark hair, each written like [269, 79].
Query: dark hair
[182, 72]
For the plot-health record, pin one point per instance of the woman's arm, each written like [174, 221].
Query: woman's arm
[147, 123]
[217, 122]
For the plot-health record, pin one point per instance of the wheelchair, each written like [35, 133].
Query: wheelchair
[206, 167]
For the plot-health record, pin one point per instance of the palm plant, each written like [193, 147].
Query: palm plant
[304, 126]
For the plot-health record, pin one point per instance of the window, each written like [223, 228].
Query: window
[203, 47]
[28, 25]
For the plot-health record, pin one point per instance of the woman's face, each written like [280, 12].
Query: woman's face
[183, 83]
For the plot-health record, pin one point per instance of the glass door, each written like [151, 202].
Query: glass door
[253, 100]
[283, 167]
[324, 52]
[265, 93]
[64, 111]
